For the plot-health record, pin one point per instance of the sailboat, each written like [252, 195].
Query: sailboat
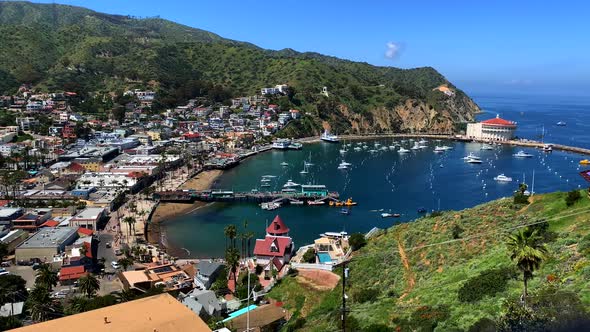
[343, 150]
[304, 171]
[308, 163]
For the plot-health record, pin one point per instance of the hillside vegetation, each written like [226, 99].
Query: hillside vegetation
[453, 272]
[59, 47]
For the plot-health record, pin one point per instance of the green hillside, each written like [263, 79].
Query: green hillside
[453, 271]
[59, 47]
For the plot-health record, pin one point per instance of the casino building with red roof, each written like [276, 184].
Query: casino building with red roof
[277, 247]
[495, 129]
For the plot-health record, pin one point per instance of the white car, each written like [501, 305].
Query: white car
[115, 265]
[3, 272]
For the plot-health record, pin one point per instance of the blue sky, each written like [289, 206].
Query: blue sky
[481, 46]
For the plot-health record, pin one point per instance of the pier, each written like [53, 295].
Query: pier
[228, 196]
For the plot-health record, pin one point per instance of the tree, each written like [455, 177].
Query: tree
[46, 277]
[572, 197]
[3, 250]
[130, 221]
[309, 256]
[357, 241]
[125, 262]
[528, 252]
[89, 285]
[40, 305]
[232, 258]
[125, 296]
[230, 233]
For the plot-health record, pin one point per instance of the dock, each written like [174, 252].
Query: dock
[228, 196]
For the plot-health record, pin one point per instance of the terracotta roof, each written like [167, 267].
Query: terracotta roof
[85, 231]
[71, 272]
[4, 202]
[277, 227]
[263, 247]
[162, 313]
[277, 263]
[50, 223]
[499, 122]
[75, 167]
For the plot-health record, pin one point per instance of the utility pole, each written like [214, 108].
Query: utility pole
[344, 276]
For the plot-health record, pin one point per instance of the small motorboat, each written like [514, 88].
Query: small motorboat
[390, 215]
[486, 147]
[503, 178]
[474, 161]
[522, 154]
[402, 150]
[342, 166]
[349, 202]
[585, 162]
[547, 148]
[284, 164]
[345, 211]
[561, 124]
[439, 149]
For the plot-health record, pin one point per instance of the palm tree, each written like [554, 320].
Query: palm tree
[46, 277]
[125, 296]
[89, 285]
[249, 237]
[130, 221]
[230, 233]
[125, 262]
[528, 252]
[40, 305]
[232, 258]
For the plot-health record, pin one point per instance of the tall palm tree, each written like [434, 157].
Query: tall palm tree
[130, 221]
[528, 252]
[46, 277]
[230, 233]
[40, 305]
[89, 285]
[232, 258]
[125, 296]
[249, 237]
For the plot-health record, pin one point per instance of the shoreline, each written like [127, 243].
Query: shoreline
[166, 211]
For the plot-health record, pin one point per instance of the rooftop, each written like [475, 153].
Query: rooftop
[160, 313]
[90, 213]
[7, 212]
[49, 237]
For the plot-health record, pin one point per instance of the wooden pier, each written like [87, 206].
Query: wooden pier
[190, 196]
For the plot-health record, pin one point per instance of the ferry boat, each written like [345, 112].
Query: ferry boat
[281, 144]
[284, 164]
[327, 137]
[561, 124]
[503, 178]
[402, 150]
[522, 154]
[291, 184]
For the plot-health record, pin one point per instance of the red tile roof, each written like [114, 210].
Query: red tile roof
[277, 227]
[499, 122]
[263, 247]
[71, 272]
[4, 202]
[277, 263]
[50, 223]
[88, 249]
[85, 231]
[75, 167]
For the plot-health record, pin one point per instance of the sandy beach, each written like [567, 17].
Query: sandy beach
[166, 211]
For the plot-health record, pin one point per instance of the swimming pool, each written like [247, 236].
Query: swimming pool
[324, 257]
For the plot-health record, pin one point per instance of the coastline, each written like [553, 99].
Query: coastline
[165, 211]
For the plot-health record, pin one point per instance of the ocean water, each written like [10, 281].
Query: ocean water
[389, 182]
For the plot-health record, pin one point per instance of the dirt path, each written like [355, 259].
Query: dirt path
[411, 279]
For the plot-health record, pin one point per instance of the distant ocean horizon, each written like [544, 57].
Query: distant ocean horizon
[397, 183]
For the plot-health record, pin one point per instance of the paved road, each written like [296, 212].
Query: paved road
[107, 253]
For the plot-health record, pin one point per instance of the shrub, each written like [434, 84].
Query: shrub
[357, 241]
[584, 245]
[489, 282]
[520, 198]
[457, 231]
[259, 269]
[572, 197]
[424, 319]
[309, 256]
[483, 325]
[365, 295]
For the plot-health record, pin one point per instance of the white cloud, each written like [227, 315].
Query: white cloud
[393, 50]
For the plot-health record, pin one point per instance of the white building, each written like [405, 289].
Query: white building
[496, 129]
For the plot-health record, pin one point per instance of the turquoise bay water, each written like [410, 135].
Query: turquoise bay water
[390, 181]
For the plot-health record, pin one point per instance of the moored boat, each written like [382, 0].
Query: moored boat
[522, 154]
[327, 137]
[503, 178]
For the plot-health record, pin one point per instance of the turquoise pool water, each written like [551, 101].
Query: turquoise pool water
[324, 257]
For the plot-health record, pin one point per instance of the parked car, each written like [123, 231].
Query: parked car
[108, 245]
[36, 266]
[5, 264]
[115, 265]
[60, 294]
[3, 272]
[118, 252]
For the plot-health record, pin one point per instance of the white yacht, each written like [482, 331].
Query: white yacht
[446, 147]
[471, 156]
[402, 150]
[291, 184]
[422, 141]
[341, 166]
[326, 136]
[439, 149]
[486, 147]
[372, 151]
[474, 161]
[357, 148]
[345, 163]
[503, 178]
[522, 154]
[281, 144]
[416, 146]
[284, 163]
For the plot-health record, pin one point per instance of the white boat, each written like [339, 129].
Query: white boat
[402, 150]
[522, 154]
[392, 147]
[269, 176]
[416, 146]
[345, 163]
[284, 163]
[474, 161]
[342, 166]
[265, 180]
[358, 148]
[281, 144]
[327, 137]
[446, 147]
[372, 151]
[503, 178]
[471, 156]
[265, 184]
[377, 144]
[422, 146]
[295, 145]
[439, 149]
[316, 202]
[561, 124]
[308, 163]
[547, 148]
[422, 141]
[486, 147]
[291, 184]
[383, 148]
[270, 206]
